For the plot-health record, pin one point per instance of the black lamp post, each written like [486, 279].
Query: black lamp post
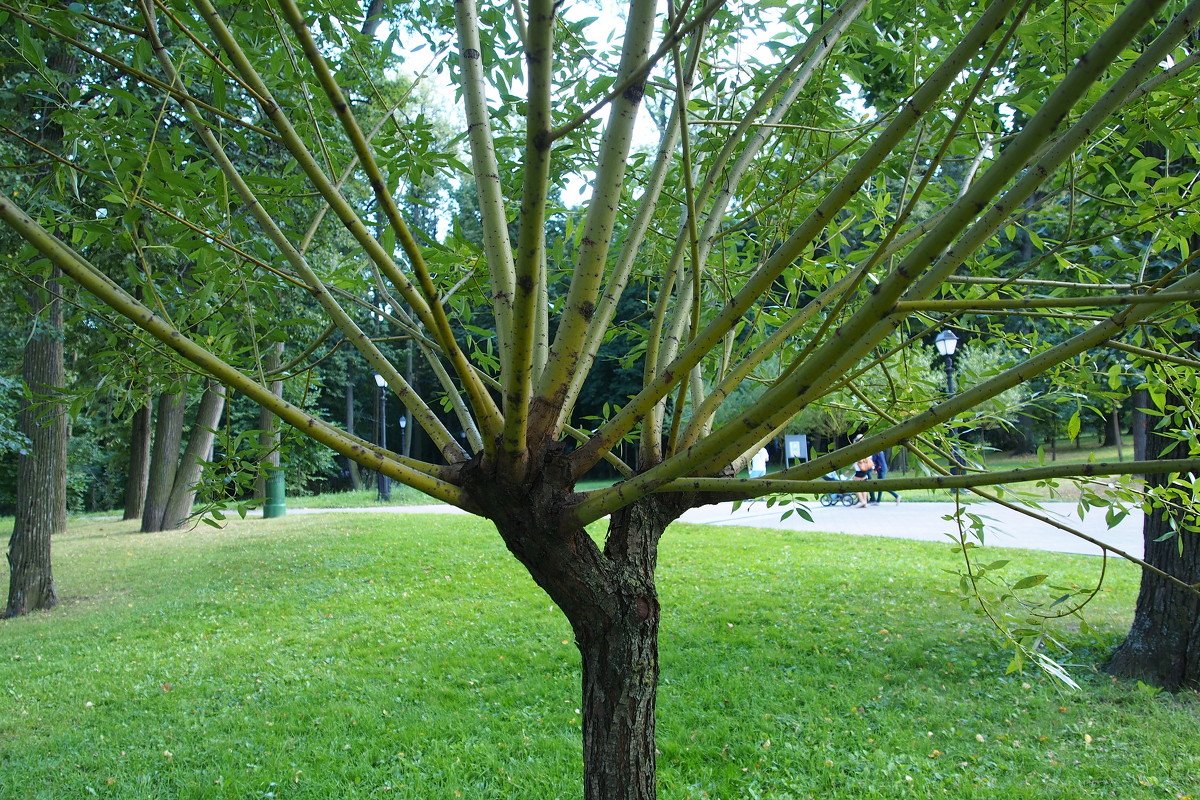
[404, 434]
[385, 483]
[946, 343]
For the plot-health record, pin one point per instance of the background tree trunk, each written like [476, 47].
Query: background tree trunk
[164, 459]
[356, 481]
[195, 455]
[1163, 645]
[1141, 399]
[42, 470]
[139, 462]
[1112, 428]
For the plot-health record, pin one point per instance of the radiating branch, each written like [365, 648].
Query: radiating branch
[430, 311]
[108, 292]
[921, 101]
[421, 413]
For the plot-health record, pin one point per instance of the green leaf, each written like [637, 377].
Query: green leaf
[1073, 426]
[1029, 582]
[1114, 377]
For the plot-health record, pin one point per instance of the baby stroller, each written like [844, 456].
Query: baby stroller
[833, 498]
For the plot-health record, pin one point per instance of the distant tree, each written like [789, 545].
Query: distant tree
[42, 466]
[138, 474]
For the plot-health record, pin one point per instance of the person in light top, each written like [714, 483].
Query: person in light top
[758, 463]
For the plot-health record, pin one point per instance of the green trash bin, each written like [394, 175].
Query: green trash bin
[276, 505]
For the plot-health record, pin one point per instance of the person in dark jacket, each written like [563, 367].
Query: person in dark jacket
[881, 471]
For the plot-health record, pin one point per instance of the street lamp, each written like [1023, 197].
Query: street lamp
[404, 434]
[946, 343]
[385, 483]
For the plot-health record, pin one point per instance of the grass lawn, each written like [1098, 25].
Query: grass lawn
[364, 498]
[362, 656]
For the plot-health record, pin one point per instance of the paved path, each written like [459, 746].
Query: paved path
[922, 521]
[926, 522]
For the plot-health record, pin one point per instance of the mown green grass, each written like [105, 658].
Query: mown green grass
[401, 495]
[380, 656]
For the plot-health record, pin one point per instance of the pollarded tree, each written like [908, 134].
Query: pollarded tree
[775, 218]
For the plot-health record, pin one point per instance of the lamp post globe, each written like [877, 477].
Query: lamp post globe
[946, 343]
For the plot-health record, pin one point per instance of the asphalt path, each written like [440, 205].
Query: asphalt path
[929, 522]
[921, 521]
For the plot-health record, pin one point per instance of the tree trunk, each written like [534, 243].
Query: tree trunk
[619, 652]
[1163, 645]
[611, 602]
[139, 462]
[164, 459]
[356, 481]
[42, 471]
[1112, 428]
[195, 455]
[1141, 400]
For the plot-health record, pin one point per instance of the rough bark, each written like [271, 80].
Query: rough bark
[139, 462]
[42, 470]
[195, 455]
[164, 459]
[1163, 645]
[610, 599]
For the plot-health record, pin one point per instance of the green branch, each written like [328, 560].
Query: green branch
[871, 324]
[809, 228]
[905, 307]
[437, 322]
[530, 257]
[596, 235]
[409, 472]
[420, 411]
[489, 189]
[746, 488]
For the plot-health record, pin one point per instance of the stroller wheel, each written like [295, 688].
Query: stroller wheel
[828, 500]
[849, 499]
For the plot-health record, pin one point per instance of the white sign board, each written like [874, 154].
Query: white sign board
[795, 447]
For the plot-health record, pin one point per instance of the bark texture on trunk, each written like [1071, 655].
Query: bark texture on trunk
[1163, 645]
[619, 651]
[609, 597]
[42, 471]
[164, 459]
[139, 462]
[197, 453]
